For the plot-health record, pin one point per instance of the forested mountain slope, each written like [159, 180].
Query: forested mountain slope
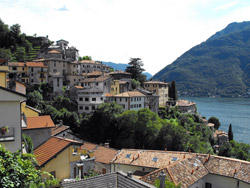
[218, 66]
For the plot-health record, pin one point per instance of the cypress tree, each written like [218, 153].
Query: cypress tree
[230, 133]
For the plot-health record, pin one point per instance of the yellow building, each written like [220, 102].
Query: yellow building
[20, 70]
[59, 157]
[115, 87]
[159, 88]
[4, 70]
[29, 111]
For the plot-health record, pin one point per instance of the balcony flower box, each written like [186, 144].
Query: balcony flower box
[4, 130]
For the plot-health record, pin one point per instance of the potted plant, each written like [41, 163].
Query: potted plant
[4, 130]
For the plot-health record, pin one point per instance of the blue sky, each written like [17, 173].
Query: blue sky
[157, 31]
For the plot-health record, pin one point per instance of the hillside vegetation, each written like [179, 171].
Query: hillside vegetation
[17, 46]
[218, 66]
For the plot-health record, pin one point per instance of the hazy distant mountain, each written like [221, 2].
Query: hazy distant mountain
[122, 67]
[218, 66]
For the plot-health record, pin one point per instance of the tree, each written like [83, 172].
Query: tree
[35, 99]
[215, 121]
[18, 170]
[135, 69]
[230, 133]
[172, 91]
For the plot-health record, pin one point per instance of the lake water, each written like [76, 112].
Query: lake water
[229, 110]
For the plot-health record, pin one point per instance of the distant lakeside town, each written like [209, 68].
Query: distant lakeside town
[89, 125]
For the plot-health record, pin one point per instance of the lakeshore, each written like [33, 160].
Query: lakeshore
[229, 110]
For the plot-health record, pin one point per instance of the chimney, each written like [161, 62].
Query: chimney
[162, 178]
[106, 144]
[129, 174]
[61, 122]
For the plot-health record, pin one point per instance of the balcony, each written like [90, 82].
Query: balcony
[8, 136]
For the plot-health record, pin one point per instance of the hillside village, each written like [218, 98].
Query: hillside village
[70, 158]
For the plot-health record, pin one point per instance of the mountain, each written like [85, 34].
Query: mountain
[218, 66]
[122, 67]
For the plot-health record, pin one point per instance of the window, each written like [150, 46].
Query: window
[13, 68]
[93, 107]
[104, 171]
[86, 99]
[101, 98]
[139, 105]
[86, 108]
[32, 80]
[208, 185]
[93, 99]
[97, 84]
[32, 69]
[155, 159]
[23, 68]
[53, 173]
[131, 106]
[128, 155]
[80, 108]
[54, 70]
[54, 64]
[120, 99]
[80, 99]
[31, 74]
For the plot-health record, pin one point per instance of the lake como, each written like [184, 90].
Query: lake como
[229, 110]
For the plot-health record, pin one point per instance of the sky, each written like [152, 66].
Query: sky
[157, 31]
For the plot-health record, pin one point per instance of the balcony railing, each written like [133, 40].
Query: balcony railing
[8, 136]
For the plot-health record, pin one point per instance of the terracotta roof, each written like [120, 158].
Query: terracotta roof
[39, 122]
[54, 52]
[16, 64]
[101, 153]
[120, 72]
[104, 154]
[88, 146]
[88, 61]
[58, 129]
[182, 102]
[155, 82]
[96, 73]
[98, 79]
[194, 167]
[122, 82]
[78, 87]
[109, 95]
[52, 148]
[130, 94]
[35, 64]
[36, 60]
[149, 158]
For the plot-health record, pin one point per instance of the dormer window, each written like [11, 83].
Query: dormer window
[174, 159]
[128, 155]
[155, 159]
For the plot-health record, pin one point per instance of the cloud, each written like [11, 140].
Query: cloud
[227, 5]
[64, 8]
[157, 31]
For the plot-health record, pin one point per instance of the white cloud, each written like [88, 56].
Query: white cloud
[227, 5]
[157, 31]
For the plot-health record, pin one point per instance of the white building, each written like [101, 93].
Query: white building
[131, 100]
[10, 118]
[92, 94]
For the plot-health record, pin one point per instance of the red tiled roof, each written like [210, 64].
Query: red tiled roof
[98, 79]
[101, 153]
[35, 64]
[130, 94]
[51, 148]
[182, 102]
[78, 87]
[16, 64]
[58, 129]
[54, 52]
[89, 61]
[39, 122]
